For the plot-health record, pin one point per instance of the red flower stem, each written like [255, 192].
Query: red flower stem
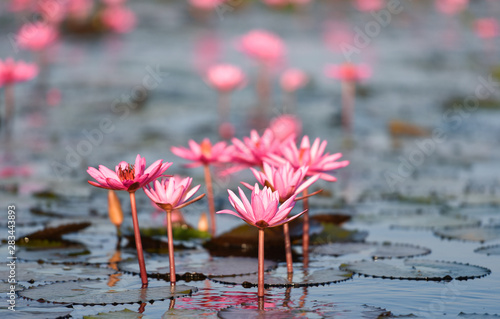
[210, 196]
[305, 231]
[288, 249]
[260, 281]
[170, 237]
[138, 242]
[348, 94]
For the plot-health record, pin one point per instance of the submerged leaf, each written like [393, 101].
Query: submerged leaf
[489, 250]
[417, 270]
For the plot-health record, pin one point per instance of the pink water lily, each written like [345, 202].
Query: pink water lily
[203, 153]
[225, 77]
[172, 193]
[127, 177]
[313, 156]
[286, 180]
[263, 210]
[36, 36]
[12, 72]
[263, 46]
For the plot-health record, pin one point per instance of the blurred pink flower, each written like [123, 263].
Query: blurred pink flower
[285, 126]
[451, 7]
[263, 45]
[369, 5]
[309, 155]
[225, 77]
[21, 5]
[293, 79]
[52, 11]
[487, 28]
[252, 150]
[126, 176]
[262, 211]
[12, 72]
[349, 72]
[79, 9]
[204, 153]
[205, 4]
[118, 19]
[172, 193]
[36, 36]
[286, 180]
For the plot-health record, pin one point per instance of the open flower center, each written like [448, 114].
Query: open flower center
[126, 174]
[206, 148]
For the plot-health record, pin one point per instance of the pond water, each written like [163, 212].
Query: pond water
[438, 190]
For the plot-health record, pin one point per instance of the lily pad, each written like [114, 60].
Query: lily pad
[299, 279]
[201, 265]
[34, 309]
[477, 316]
[480, 234]
[417, 270]
[489, 250]
[374, 250]
[97, 292]
[332, 233]
[122, 314]
[35, 272]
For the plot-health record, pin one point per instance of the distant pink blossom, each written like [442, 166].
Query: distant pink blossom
[349, 72]
[313, 156]
[204, 153]
[285, 179]
[79, 9]
[172, 193]
[293, 79]
[263, 209]
[205, 4]
[286, 126]
[451, 7]
[36, 36]
[118, 19]
[225, 77]
[21, 5]
[126, 176]
[369, 5]
[487, 28]
[12, 72]
[263, 46]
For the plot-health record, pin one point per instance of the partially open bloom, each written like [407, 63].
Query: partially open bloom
[204, 153]
[115, 211]
[263, 46]
[36, 36]
[172, 193]
[286, 126]
[252, 150]
[12, 72]
[286, 180]
[313, 156]
[293, 79]
[126, 176]
[225, 77]
[349, 72]
[263, 209]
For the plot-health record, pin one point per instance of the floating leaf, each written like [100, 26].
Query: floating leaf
[332, 233]
[122, 314]
[489, 250]
[480, 234]
[35, 272]
[299, 278]
[181, 232]
[202, 265]
[98, 292]
[477, 316]
[417, 270]
[374, 250]
[32, 309]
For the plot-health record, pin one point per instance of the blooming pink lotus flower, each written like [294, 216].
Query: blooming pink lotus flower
[285, 127]
[349, 72]
[127, 177]
[254, 149]
[369, 5]
[263, 210]
[172, 193]
[487, 28]
[263, 46]
[36, 36]
[451, 7]
[204, 153]
[225, 77]
[12, 72]
[118, 19]
[286, 180]
[312, 156]
[293, 79]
